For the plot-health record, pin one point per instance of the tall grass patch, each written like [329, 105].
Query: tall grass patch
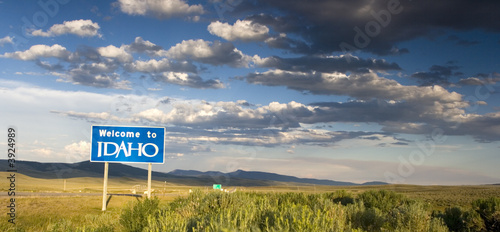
[246, 211]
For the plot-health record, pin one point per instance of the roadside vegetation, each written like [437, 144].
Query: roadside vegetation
[371, 210]
[285, 207]
[338, 211]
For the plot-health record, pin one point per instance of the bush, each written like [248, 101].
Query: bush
[369, 219]
[383, 200]
[388, 211]
[489, 210]
[135, 217]
[342, 197]
[239, 211]
[458, 219]
[217, 211]
[414, 217]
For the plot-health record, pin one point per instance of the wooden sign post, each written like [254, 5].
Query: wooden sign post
[149, 180]
[105, 187]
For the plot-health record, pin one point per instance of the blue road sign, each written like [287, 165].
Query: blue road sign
[122, 144]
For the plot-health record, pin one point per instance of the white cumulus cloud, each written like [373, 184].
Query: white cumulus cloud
[214, 53]
[83, 28]
[244, 30]
[190, 80]
[79, 150]
[39, 51]
[117, 53]
[6, 40]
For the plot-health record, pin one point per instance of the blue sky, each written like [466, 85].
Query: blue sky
[396, 91]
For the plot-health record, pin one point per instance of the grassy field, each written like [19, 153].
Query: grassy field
[38, 210]
[439, 197]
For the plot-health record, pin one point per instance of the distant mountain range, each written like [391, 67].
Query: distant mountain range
[188, 177]
[267, 176]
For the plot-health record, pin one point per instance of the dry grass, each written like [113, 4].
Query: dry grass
[37, 208]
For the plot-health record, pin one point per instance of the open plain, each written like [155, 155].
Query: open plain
[75, 203]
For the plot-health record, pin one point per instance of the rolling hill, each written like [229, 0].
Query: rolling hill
[187, 177]
[240, 174]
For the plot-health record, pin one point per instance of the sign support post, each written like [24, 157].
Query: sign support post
[105, 187]
[126, 144]
[149, 180]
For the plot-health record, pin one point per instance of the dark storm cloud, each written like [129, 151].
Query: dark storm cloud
[269, 137]
[292, 45]
[364, 86]
[437, 74]
[484, 128]
[396, 117]
[408, 118]
[328, 64]
[373, 26]
[361, 111]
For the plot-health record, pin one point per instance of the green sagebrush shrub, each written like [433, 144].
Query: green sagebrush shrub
[239, 211]
[383, 199]
[462, 220]
[134, 217]
[412, 216]
[484, 215]
[489, 210]
[338, 211]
